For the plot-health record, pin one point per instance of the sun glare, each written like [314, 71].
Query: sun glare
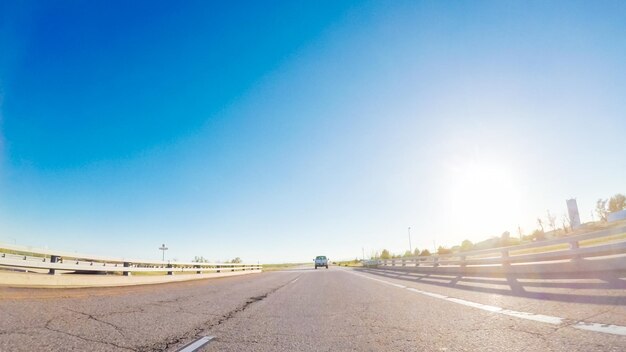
[485, 198]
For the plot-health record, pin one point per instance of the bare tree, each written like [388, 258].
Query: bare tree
[551, 220]
[601, 209]
[540, 222]
[567, 223]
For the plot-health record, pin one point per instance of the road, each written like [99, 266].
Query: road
[334, 309]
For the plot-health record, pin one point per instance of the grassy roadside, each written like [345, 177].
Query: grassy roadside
[565, 246]
[350, 263]
[283, 266]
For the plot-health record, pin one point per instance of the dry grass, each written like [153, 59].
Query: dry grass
[603, 240]
[552, 248]
[283, 266]
[565, 246]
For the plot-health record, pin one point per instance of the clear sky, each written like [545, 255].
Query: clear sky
[278, 131]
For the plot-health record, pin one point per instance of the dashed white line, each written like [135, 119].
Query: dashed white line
[548, 319]
[196, 344]
[605, 328]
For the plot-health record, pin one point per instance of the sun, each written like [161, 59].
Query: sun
[484, 199]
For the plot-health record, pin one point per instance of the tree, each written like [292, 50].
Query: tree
[601, 209]
[385, 254]
[538, 235]
[617, 203]
[540, 222]
[425, 253]
[416, 252]
[236, 260]
[566, 222]
[199, 259]
[407, 253]
[504, 238]
[467, 245]
[551, 220]
[443, 250]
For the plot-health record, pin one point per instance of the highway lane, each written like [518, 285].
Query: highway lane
[139, 318]
[340, 311]
[311, 310]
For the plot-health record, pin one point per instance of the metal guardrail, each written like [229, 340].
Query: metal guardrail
[573, 250]
[59, 261]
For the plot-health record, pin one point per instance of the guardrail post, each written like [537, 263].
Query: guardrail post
[393, 262]
[218, 268]
[463, 263]
[417, 262]
[53, 259]
[435, 262]
[126, 273]
[170, 272]
[403, 262]
[505, 257]
[197, 271]
[573, 245]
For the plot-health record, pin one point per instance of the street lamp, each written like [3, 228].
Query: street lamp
[410, 247]
[163, 248]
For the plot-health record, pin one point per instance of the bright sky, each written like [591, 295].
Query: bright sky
[285, 131]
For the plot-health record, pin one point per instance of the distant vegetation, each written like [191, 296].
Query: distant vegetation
[201, 259]
[549, 226]
[355, 262]
[615, 203]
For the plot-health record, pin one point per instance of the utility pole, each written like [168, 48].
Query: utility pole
[363, 249]
[410, 247]
[163, 248]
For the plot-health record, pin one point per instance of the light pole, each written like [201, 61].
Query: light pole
[163, 248]
[410, 247]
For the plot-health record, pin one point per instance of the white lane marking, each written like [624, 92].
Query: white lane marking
[296, 279]
[605, 328]
[436, 295]
[548, 319]
[486, 307]
[196, 344]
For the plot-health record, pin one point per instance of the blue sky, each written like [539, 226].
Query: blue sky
[280, 131]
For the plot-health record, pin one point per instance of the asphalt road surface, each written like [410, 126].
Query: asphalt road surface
[334, 309]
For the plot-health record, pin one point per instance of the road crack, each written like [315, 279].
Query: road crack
[92, 317]
[198, 331]
[48, 327]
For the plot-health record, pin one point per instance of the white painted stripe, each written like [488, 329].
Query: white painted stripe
[488, 308]
[605, 328]
[436, 295]
[548, 319]
[296, 279]
[196, 344]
